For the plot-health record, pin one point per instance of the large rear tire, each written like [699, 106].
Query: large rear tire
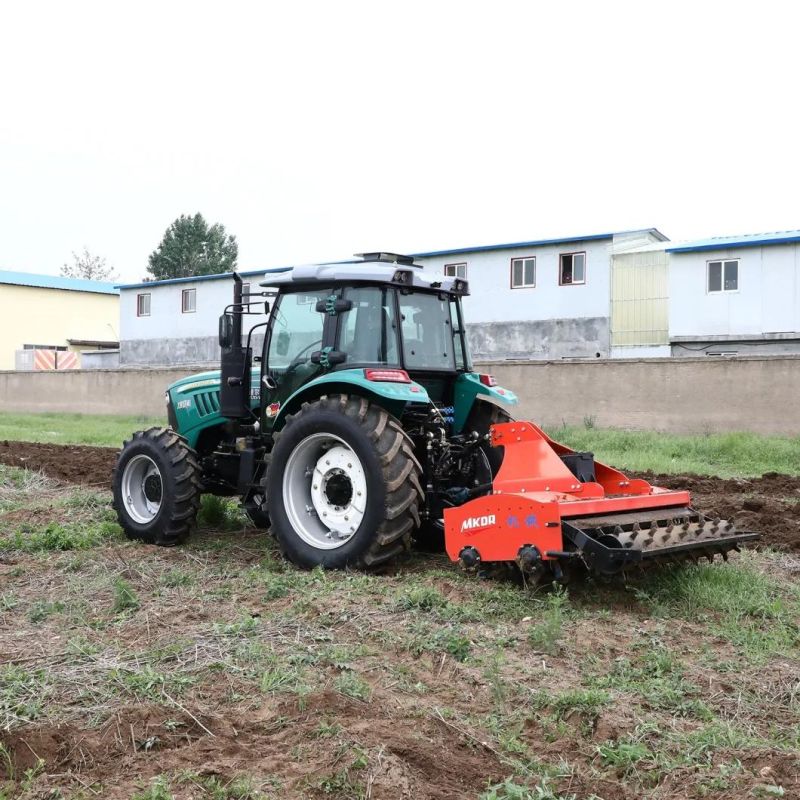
[343, 485]
[156, 487]
[481, 418]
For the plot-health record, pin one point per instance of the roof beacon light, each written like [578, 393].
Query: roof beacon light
[387, 375]
[389, 258]
[488, 380]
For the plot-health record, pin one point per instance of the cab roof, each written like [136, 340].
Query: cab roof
[372, 268]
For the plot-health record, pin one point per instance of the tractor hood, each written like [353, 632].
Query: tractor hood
[193, 403]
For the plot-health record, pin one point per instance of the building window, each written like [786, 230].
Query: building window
[456, 270]
[572, 269]
[723, 276]
[143, 305]
[523, 272]
[189, 301]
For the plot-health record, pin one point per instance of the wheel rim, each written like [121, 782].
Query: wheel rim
[324, 491]
[142, 489]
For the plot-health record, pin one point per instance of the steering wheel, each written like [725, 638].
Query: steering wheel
[298, 359]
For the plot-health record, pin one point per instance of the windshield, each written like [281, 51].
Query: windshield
[427, 332]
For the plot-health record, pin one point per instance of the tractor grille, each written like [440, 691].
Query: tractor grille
[207, 403]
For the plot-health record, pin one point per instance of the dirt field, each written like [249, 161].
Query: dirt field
[214, 670]
[769, 505]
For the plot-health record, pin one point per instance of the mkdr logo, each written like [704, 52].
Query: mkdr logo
[471, 523]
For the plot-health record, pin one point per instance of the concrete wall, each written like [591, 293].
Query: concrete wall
[100, 359]
[540, 339]
[676, 395]
[699, 395]
[31, 315]
[767, 300]
[180, 350]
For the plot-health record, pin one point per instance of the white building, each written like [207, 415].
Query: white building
[736, 295]
[175, 321]
[549, 298]
[631, 294]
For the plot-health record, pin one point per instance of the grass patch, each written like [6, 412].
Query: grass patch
[55, 536]
[22, 695]
[726, 455]
[91, 429]
[750, 609]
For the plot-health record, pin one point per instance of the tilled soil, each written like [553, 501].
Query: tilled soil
[769, 505]
[77, 464]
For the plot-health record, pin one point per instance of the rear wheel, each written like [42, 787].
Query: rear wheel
[156, 487]
[481, 418]
[344, 485]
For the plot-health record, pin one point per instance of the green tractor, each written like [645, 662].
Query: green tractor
[361, 422]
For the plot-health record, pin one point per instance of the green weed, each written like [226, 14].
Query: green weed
[125, 598]
[623, 756]
[545, 635]
[511, 790]
[352, 685]
[219, 513]
[159, 789]
[42, 609]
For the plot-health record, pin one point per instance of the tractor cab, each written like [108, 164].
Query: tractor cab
[378, 320]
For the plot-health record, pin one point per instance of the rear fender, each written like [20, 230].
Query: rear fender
[392, 396]
[468, 388]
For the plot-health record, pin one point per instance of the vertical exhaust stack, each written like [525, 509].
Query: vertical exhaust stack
[235, 361]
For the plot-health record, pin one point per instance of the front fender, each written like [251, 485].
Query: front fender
[392, 396]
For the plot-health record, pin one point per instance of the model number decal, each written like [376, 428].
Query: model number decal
[185, 403]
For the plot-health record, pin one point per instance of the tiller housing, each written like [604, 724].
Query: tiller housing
[550, 506]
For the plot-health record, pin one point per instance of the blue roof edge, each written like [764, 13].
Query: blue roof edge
[191, 279]
[37, 280]
[592, 237]
[704, 244]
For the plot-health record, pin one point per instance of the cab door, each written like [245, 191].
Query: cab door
[296, 331]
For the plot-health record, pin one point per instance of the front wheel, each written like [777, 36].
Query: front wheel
[344, 485]
[156, 487]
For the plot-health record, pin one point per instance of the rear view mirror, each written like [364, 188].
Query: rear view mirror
[226, 331]
[282, 345]
[266, 307]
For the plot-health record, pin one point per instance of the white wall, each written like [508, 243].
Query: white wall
[493, 300]
[166, 321]
[767, 300]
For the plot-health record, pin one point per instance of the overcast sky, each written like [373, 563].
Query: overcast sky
[315, 130]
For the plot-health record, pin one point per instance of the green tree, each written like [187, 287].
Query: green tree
[85, 265]
[193, 247]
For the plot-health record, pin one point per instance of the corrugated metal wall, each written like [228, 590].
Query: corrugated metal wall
[640, 298]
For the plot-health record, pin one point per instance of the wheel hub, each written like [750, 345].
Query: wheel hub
[337, 488]
[325, 491]
[142, 489]
[152, 488]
